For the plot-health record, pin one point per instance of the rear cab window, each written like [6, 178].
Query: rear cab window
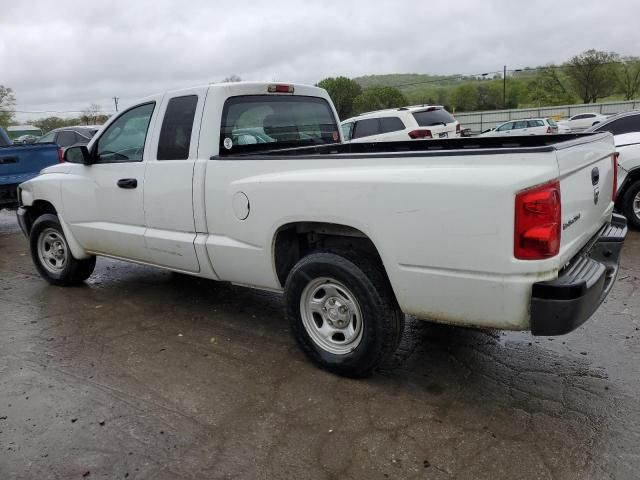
[429, 117]
[254, 123]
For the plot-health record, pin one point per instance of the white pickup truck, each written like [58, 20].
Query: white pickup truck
[249, 183]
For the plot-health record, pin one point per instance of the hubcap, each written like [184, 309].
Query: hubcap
[331, 316]
[636, 205]
[52, 250]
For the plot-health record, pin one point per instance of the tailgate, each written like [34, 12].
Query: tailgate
[586, 183]
[19, 163]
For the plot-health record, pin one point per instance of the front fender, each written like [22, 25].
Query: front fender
[42, 195]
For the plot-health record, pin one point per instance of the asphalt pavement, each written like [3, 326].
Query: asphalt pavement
[145, 374]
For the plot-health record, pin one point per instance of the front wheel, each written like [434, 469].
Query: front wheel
[51, 254]
[631, 204]
[343, 313]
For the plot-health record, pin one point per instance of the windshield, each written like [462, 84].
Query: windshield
[266, 122]
[428, 118]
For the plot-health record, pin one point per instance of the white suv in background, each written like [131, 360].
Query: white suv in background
[528, 126]
[399, 124]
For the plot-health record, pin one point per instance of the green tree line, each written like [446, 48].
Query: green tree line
[585, 78]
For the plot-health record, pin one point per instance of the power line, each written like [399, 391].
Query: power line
[51, 111]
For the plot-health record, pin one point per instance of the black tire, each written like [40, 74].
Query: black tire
[627, 204]
[382, 319]
[74, 271]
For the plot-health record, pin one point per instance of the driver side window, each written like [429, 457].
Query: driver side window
[123, 140]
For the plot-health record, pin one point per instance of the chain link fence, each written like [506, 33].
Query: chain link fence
[481, 121]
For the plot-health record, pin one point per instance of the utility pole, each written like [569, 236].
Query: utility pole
[115, 100]
[504, 88]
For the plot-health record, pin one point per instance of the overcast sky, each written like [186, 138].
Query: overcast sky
[62, 55]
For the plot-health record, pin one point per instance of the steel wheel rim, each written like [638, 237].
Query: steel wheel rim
[53, 250]
[331, 316]
[636, 205]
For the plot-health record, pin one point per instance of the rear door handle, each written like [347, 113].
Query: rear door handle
[5, 160]
[127, 183]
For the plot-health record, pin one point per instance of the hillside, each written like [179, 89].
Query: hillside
[418, 87]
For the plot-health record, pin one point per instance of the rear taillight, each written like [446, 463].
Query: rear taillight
[458, 128]
[60, 155]
[549, 131]
[538, 222]
[614, 165]
[420, 134]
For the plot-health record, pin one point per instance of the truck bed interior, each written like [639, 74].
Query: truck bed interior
[450, 146]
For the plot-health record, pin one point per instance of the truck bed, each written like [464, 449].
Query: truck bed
[438, 147]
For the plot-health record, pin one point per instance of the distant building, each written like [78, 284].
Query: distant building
[20, 130]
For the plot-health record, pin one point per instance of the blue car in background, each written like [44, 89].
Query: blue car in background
[19, 163]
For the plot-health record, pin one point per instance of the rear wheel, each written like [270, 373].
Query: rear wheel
[51, 254]
[631, 204]
[343, 313]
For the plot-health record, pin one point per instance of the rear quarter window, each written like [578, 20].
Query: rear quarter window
[346, 130]
[366, 128]
[66, 138]
[391, 124]
[175, 134]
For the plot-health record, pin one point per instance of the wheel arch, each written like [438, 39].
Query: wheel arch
[39, 207]
[36, 209]
[632, 177]
[293, 240]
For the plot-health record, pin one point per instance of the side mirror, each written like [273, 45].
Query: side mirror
[79, 154]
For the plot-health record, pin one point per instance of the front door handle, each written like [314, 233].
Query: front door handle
[127, 183]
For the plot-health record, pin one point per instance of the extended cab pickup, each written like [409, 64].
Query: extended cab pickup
[249, 183]
[19, 163]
